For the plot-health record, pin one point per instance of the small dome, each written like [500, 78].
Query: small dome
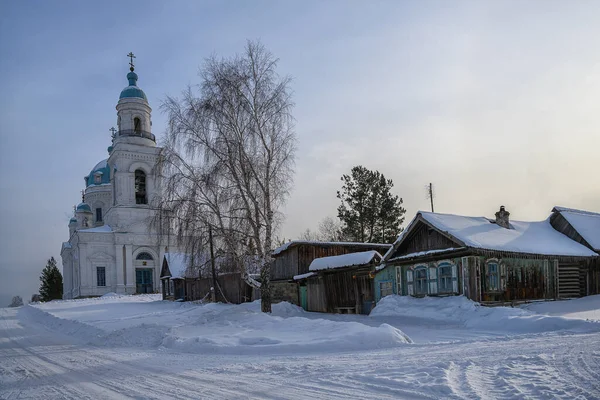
[132, 91]
[83, 207]
[73, 221]
[99, 175]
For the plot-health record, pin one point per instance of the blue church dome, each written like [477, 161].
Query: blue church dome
[132, 91]
[73, 220]
[84, 207]
[99, 175]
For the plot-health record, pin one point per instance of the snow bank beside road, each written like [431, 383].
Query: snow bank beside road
[129, 321]
[459, 310]
[583, 308]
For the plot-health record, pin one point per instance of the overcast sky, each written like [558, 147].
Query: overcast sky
[494, 102]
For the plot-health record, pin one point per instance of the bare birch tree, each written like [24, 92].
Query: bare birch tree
[229, 157]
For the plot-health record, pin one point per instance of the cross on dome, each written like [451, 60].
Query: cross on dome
[131, 57]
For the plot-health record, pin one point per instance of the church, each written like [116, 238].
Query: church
[112, 246]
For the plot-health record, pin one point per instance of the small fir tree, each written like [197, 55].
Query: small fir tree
[369, 212]
[52, 282]
[17, 301]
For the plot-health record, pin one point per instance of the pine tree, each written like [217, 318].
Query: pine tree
[369, 211]
[52, 282]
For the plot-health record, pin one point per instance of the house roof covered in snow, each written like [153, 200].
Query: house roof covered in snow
[178, 266]
[293, 243]
[482, 233]
[586, 223]
[345, 260]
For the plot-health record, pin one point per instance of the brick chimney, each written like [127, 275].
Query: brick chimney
[502, 218]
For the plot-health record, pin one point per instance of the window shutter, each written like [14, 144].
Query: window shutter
[502, 277]
[399, 280]
[433, 280]
[454, 279]
[409, 282]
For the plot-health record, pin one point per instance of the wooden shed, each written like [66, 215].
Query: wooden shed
[173, 275]
[487, 260]
[340, 284]
[294, 258]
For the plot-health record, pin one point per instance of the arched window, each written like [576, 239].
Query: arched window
[144, 256]
[140, 187]
[137, 125]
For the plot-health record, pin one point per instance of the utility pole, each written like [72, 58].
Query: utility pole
[430, 195]
[212, 263]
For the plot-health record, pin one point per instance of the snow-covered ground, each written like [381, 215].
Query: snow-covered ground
[141, 347]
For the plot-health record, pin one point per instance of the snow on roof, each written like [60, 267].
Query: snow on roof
[523, 237]
[303, 276]
[424, 253]
[316, 242]
[345, 260]
[178, 263]
[103, 228]
[586, 223]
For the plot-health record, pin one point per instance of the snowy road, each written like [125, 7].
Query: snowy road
[37, 363]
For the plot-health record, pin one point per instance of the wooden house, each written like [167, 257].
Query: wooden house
[341, 284]
[582, 227]
[487, 260]
[295, 257]
[173, 276]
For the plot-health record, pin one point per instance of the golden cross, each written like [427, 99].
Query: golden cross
[131, 56]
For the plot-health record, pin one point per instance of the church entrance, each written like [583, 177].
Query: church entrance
[143, 280]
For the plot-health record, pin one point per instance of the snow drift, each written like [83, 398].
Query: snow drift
[134, 321]
[458, 310]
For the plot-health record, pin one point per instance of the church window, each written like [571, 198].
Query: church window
[144, 256]
[101, 276]
[97, 178]
[140, 187]
[137, 125]
[99, 214]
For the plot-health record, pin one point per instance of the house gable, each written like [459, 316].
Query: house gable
[421, 236]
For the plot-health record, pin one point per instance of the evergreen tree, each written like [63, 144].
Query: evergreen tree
[369, 211]
[52, 282]
[17, 301]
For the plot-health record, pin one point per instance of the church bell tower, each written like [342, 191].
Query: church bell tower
[133, 157]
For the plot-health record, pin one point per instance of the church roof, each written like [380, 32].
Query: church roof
[132, 91]
[84, 207]
[102, 169]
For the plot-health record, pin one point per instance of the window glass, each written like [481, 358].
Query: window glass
[101, 276]
[144, 256]
[445, 278]
[98, 214]
[421, 281]
[493, 280]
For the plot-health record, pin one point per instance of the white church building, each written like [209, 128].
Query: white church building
[112, 246]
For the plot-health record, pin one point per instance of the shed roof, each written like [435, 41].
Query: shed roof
[345, 260]
[177, 266]
[586, 223]
[293, 243]
[482, 233]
